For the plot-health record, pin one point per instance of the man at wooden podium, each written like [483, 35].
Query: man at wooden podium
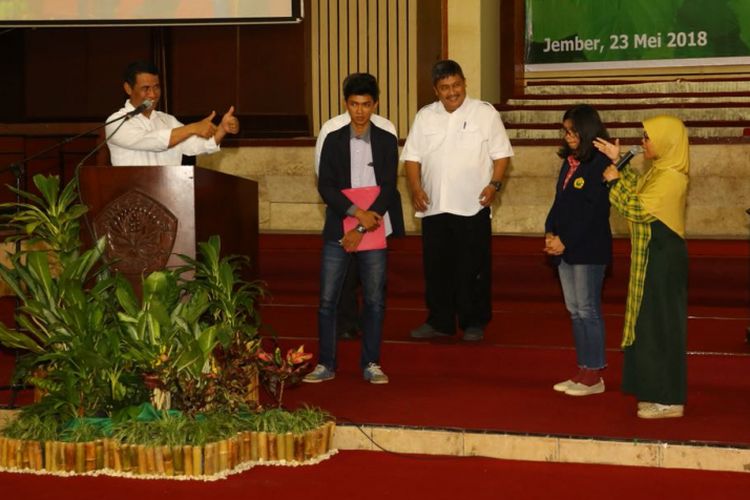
[145, 136]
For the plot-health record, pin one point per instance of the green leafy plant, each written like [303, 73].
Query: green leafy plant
[70, 332]
[97, 351]
[231, 300]
[33, 427]
[52, 218]
[146, 426]
[232, 312]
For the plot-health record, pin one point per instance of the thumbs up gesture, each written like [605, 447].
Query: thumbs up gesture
[205, 128]
[229, 122]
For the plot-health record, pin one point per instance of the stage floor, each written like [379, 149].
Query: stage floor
[508, 387]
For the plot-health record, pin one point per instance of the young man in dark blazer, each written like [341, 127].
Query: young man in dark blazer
[358, 155]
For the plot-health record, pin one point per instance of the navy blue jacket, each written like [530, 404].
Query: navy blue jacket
[336, 174]
[580, 214]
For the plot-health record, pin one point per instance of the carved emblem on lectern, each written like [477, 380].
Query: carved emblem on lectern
[140, 233]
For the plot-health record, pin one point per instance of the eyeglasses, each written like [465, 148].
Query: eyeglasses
[564, 132]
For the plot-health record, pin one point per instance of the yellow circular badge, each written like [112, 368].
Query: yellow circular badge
[578, 183]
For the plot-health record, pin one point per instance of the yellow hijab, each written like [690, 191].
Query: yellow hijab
[663, 189]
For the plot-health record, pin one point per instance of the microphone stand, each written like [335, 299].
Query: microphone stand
[19, 168]
[19, 172]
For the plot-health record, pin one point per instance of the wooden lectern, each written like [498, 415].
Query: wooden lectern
[149, 214]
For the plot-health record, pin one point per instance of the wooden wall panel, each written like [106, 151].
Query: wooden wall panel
[202, 72]
[11, 69]
[75, 73]
[273, 68]
[105, 67]
[71, 74]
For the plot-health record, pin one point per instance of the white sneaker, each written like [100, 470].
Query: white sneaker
[656, 410]
[374, 374]
[563, 386]
[586, 390]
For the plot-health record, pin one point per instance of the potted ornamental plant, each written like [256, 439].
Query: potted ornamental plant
[164, 383]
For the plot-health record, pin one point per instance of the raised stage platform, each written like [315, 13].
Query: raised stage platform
[495, 398]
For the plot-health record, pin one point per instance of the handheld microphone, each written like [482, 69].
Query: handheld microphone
[635, 150]
[147, 103]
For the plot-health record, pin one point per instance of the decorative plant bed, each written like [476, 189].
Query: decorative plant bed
[210, 461]
[156, 380]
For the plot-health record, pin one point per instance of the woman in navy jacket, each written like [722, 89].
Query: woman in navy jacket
[579, 239]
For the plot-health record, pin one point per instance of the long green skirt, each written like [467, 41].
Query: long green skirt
[655, 364]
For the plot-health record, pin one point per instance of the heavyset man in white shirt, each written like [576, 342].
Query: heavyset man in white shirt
[455, 157]
[156, 138]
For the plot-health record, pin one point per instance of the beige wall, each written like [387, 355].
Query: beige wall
[289, 201]
[474, 42]
[490, 43]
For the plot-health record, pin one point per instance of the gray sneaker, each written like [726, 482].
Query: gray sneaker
[374, 374]
[319, 374]
[473, 334]
[426, 331]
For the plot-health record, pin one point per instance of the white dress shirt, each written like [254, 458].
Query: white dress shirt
[144, 141]
[339, 121]
[363, 173]
[456, 152]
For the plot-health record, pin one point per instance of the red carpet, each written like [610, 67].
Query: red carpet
[516, 324]
[504, 383]
[719, 271]
[527, 299]
[510, 389]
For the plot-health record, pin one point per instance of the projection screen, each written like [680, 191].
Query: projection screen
[55, 13]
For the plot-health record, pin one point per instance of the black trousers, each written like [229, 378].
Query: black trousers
[457, 262]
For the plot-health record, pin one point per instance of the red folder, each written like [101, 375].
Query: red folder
[364, 197]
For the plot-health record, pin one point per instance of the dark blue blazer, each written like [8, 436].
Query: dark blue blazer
[335, 174]
[580, 213]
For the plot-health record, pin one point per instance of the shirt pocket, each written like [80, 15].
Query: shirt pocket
[470, 138]
[433, 139]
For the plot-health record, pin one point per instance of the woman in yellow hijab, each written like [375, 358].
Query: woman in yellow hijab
[655, 329]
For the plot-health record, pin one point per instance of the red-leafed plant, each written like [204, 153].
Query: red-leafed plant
[276, 370]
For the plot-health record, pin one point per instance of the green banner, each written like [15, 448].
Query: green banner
[634, 33]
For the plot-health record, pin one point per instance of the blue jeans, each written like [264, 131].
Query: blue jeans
[582, 290]
[371, 265]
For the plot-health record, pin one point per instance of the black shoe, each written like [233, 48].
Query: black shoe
[349, 334]
[473, 334]
[426, 331]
